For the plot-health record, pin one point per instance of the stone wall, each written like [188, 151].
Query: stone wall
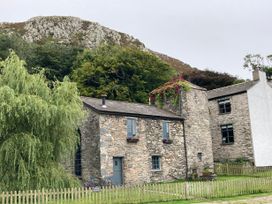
[240, 119]
[197, 130]
[137, 156]
[90, 146]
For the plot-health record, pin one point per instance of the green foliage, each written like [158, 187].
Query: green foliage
[123, 73]
[38, 125]
[56, 59]
[256, 61]
[210, 79]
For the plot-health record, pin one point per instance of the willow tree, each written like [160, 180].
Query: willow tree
[38, 126]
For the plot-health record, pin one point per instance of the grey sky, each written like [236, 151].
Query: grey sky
[214, 34]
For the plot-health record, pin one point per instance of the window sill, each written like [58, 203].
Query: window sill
[167, 141]
[132, 140]
[224, 113]
[224, 144]
[156, 170]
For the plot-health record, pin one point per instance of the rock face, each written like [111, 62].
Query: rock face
[69, 30]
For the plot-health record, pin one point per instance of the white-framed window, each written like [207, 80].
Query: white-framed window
[165, 130]
[224, 105]
[227, 134]
[131, 127]
[156, 162]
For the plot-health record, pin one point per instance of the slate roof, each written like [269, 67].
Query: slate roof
[128, 109]
[231, 90]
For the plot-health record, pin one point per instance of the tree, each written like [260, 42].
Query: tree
[56, 59]
[123, 73]
[256, 61]
[38, 125]
[210, 79]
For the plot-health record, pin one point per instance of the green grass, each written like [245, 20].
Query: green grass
[175, 191]
[235, 198]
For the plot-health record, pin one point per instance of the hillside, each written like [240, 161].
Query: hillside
[77, 34]
[73, 30]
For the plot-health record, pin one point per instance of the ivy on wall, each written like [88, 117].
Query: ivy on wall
[170, 90]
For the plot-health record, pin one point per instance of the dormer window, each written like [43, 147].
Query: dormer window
[224, 105]
[131, 127]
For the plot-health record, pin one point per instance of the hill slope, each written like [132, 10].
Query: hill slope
[73, 30]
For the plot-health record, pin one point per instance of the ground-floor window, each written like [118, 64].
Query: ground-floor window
[156, 162]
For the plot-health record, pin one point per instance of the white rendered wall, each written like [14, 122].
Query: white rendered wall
[260, 110]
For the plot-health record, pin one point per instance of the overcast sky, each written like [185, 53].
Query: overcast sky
[213, 34]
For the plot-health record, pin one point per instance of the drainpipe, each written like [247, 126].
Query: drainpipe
[185, 151]
[184, 135]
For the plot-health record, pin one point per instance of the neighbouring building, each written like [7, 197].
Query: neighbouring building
[241, 121]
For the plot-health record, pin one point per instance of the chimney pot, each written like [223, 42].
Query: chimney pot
[104, 101]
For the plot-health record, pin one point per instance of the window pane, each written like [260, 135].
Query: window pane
[231, 139]
[155, 162]
[131, 127]
[228, 108]
[165, 127]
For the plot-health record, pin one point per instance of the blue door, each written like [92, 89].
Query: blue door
[117, 178]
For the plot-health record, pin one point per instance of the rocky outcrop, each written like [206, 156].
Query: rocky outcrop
[87, 34]
[70, 30]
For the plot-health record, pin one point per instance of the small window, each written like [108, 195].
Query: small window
[227, 134]
[165, 128]
[131, 127]
[224, 105]
[156, 162]
[199, 156]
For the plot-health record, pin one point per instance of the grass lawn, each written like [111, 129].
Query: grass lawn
[236, 198]
[154, 196]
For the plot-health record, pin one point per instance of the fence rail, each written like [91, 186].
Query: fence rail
[241, 170]
[141, 194]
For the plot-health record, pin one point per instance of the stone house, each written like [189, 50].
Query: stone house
[130, 143]
[240, 118]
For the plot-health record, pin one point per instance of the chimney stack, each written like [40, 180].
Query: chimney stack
[259, 75]
[104, 101]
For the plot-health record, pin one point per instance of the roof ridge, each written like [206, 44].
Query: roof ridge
[232, 85]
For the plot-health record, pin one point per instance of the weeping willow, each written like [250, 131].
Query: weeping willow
[37, 127]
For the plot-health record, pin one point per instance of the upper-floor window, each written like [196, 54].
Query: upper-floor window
[156, 162]
[165, 130]
[224, 105]
[227, 134]
[131, 127]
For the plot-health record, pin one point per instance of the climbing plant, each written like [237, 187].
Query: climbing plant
[170, 90]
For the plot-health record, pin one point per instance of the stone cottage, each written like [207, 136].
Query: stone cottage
[241, 118]
[130, 143]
